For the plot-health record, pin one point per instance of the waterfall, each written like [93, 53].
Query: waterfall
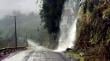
[68, 25]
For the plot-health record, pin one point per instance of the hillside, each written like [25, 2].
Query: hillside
[93, 30]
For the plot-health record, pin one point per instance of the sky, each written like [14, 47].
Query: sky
[7, 7]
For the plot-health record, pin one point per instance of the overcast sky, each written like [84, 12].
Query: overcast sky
[24, 6]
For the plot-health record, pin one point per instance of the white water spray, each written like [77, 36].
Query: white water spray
[68, 26]
[36, 47]
[68, 42]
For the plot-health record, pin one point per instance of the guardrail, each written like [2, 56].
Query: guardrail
[4, 52]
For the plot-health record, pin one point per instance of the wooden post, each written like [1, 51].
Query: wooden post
[15, 32]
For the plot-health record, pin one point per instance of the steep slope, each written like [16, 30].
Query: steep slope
[93, 29]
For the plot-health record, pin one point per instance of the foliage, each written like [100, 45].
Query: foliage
[106, 13]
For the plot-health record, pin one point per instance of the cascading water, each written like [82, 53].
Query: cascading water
[66, 39]
[68, 25]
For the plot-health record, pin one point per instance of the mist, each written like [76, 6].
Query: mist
[7, 7]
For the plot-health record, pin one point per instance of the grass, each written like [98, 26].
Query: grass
[75, 55]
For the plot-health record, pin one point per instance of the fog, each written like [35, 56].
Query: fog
[7, 7]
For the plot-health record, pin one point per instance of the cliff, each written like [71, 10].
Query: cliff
[93, 30]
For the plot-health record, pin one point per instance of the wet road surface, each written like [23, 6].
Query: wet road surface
[38, 56]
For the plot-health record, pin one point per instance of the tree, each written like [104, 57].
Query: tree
[51, 15]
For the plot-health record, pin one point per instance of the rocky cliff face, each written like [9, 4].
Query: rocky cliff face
[93, 29]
